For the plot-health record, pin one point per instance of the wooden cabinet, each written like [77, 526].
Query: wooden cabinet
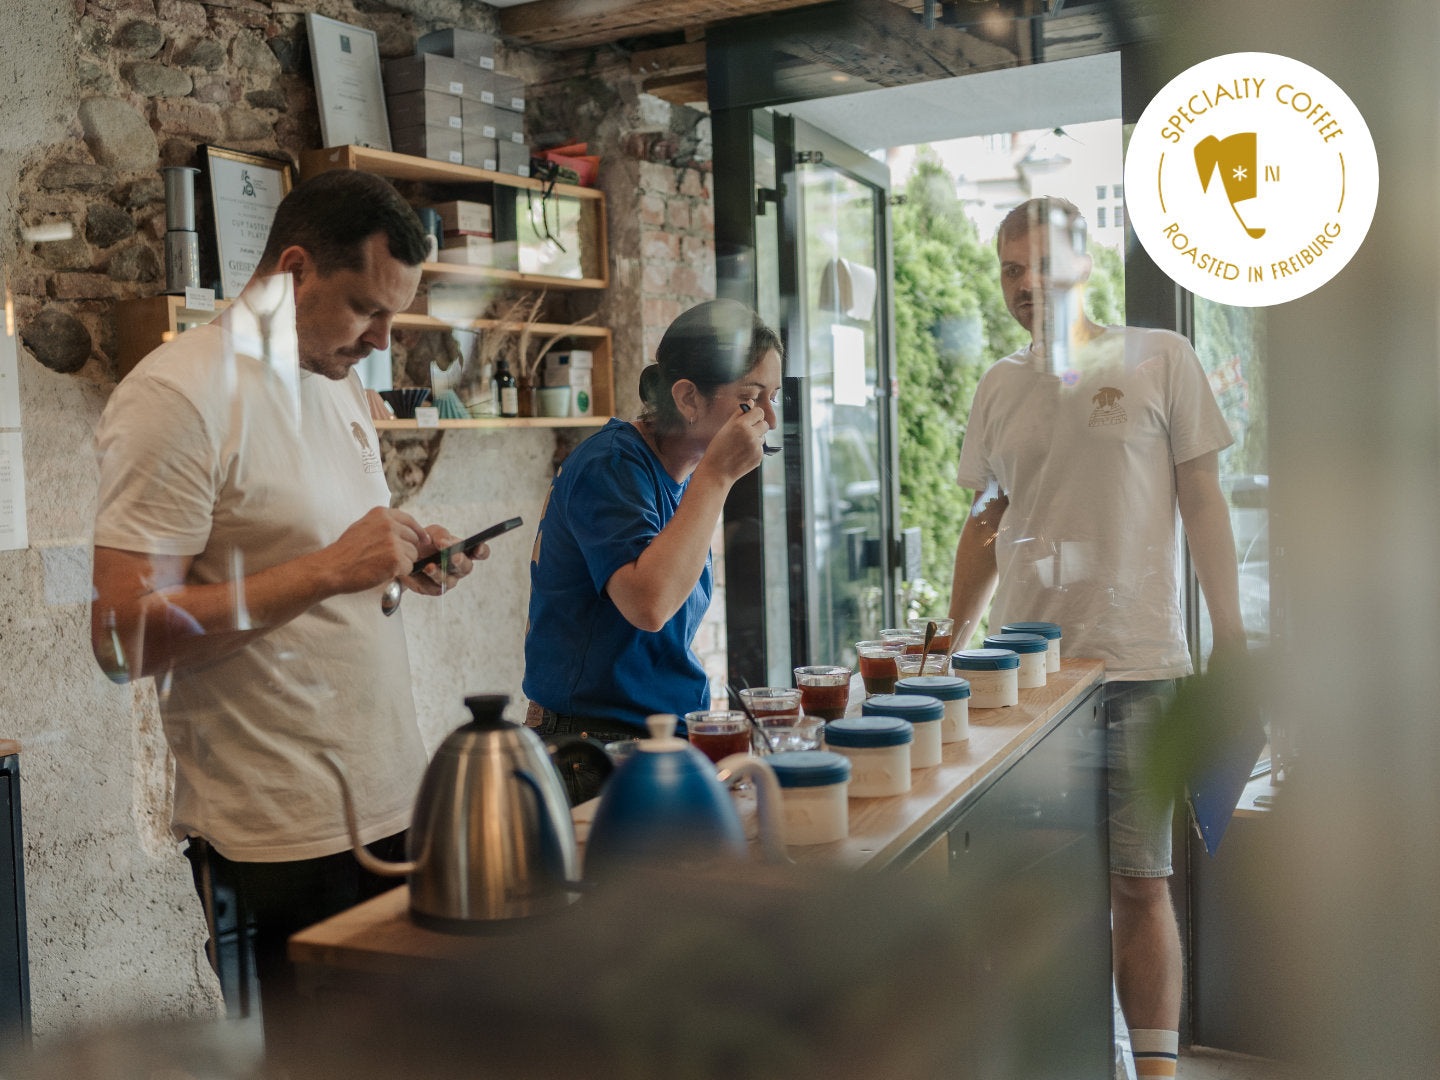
[145, 324]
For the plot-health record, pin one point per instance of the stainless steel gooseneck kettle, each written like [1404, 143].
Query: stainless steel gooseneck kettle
[491, 836]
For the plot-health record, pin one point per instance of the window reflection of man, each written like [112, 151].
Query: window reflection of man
[1081, 447]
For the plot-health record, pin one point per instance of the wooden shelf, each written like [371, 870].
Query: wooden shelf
[407, 167]
[143, 325]
[458, 273]
[596, 260]
[406, 321]
[498, 422]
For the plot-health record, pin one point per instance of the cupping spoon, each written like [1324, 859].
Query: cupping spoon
[744, 408]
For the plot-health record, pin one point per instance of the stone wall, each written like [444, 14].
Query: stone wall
[95, 96]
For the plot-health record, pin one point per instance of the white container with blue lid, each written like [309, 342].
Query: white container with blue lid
[993, 674]
[814, 785]
[953, 693]
[926, 715]
[1032, 650]
[879, 751]
[1049, 631]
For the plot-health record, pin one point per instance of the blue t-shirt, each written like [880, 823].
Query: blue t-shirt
[610, 499]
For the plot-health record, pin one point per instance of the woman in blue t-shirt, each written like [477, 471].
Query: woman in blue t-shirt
[620, 574]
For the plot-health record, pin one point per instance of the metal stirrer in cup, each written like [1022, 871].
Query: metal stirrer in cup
[754, 724]
[930, 630]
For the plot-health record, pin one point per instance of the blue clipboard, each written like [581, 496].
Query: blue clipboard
[1215, 789]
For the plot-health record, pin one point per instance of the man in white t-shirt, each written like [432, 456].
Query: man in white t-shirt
[1081, 447]
[242, 542]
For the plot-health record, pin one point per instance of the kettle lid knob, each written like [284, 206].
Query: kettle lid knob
[662, 732]
[486, 710]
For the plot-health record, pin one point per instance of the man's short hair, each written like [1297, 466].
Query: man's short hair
[333, 214]
[1047, 210]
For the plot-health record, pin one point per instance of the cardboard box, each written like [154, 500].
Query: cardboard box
[508, 91]
[513, 158]
[572, 369]
[428, 71]
[480, 152]
[469, 249]
[481, 251]
[468, 46]
[436, 143]
[465, 217]
[424, 108]
[491, 121]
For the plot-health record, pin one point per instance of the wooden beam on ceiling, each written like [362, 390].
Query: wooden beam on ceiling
[882, 44]
[679, 89]
[570, 24]
[671, 60]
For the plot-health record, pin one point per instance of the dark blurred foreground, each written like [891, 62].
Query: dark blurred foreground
[734, 974]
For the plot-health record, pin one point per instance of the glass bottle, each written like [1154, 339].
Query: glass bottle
[507, 395]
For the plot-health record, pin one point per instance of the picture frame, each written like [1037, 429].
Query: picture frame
[245, 189]
[349, 89]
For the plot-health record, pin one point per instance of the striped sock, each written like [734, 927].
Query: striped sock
[1154, 1050]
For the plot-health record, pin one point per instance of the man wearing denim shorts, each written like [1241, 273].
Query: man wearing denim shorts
[1080, 448]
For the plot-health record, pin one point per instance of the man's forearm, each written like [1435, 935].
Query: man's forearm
[180, 626]
[974, 580]
[1206, 517]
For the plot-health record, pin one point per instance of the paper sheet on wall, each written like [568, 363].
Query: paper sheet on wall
[9, 378]
[13, 531]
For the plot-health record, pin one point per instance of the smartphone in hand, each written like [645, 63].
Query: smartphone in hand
[469, 544]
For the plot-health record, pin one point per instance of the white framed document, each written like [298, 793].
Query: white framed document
[348, 88]
[245, 189]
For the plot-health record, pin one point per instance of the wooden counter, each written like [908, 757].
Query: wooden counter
[378, 936]
[896, 830]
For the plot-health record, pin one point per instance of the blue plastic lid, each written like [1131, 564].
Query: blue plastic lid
[1047, 630]
[943, 687]
[985, 659]
[809, 768]
[869, 731]
[1017, 643]
[918, 710]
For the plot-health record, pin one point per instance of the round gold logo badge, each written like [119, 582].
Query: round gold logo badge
[1251, 179]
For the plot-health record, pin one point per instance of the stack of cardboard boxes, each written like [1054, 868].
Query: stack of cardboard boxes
[448, 103]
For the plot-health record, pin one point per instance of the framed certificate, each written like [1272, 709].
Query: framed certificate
[348, 90]
[244, 191]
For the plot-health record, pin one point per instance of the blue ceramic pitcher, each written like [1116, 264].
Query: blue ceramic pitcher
[667, 804]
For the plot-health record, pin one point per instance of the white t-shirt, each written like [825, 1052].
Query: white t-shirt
[1087, 457]
[203, 457]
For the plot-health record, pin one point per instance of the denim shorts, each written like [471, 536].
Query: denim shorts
[1139, 825]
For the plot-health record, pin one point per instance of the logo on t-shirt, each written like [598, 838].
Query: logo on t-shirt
[1108, 410]
[368, 457]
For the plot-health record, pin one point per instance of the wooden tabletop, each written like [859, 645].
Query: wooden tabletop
[883, 829]
[379, 937]
[8, 747]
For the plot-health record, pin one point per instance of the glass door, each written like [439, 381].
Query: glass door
[840, 490]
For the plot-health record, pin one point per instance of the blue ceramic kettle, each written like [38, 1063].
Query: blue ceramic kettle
[668, 804]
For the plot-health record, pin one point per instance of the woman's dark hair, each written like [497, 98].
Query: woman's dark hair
[713, 344]
[333, 214]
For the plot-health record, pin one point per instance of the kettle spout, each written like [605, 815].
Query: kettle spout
[362, 854]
